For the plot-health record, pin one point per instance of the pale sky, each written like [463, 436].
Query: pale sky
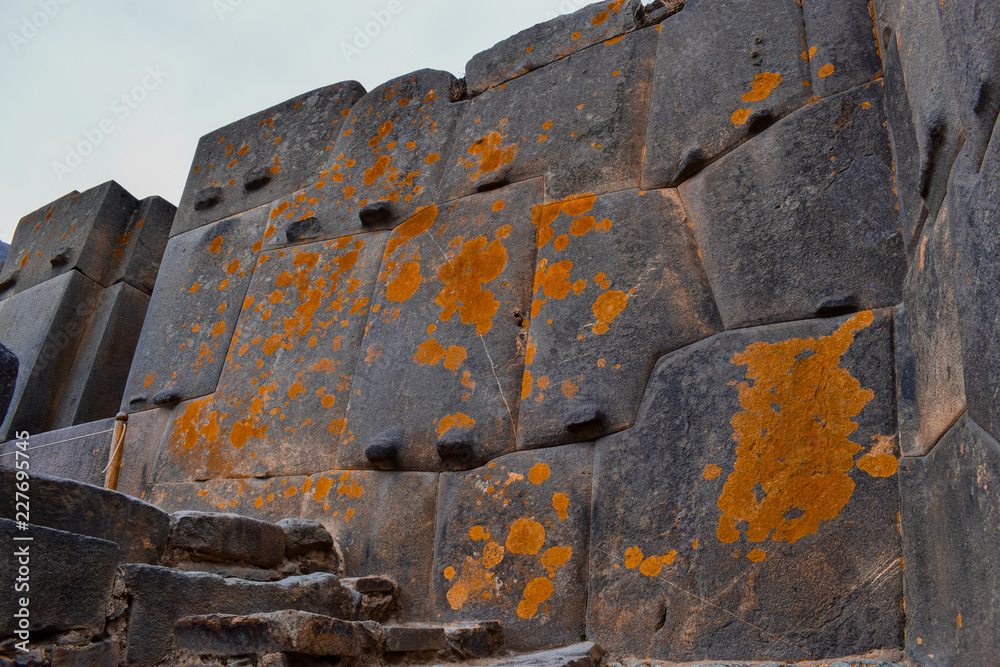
[65, 65]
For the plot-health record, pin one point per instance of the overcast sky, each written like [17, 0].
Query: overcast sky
[187, 67]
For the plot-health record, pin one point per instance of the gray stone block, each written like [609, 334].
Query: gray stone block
[100, 654]
[137, 259]
[270, 499]
[227, 538]
[143, 434]
[413, 638]
[8, 378]
[78, 453]
[841, 45]
[304, 535]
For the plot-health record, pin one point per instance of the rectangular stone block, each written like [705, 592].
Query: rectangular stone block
[842, 45]
[783, 227]
[253, 161]
[725, 70]
[384, 524]
[140, 249]
[203, 281]
[618, 284]
[512, 545]
[143, 435]
[550, 41]
[573, 122]
[218, 537]
[751, 512]
[951, 541]
[267, 499]
[387, 163]
[78, 453]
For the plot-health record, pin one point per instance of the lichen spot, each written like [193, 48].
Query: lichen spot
[757, 555]
[762, 86]
[560, 503]
[607, 308]
[405, 284]
[526, 537]
[464, 276]
[478, 534]
[539, 474]
[740, 116]
[826, 70]
[215, 246]
[449, 573]
[880, 460]
[535, 594]
[457, 420]
[711, 471]
[492, 154]
[633, 558]
[149, 380]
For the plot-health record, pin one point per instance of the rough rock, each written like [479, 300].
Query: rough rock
[8, 378]
[951, 538]
[512, 545]
[142, 246]
[757, 489]
[842, 45]
[413, 638]
[573, 122]
[618, 284]
[782, 230]
[255, 160]
[712, 94]
[473, 641]
[303, 536]
[227, 538]
[99, 654]
[78, 453]
[59, 598]
[139, 529]
[578, 655]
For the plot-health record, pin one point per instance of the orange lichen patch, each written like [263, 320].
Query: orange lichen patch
[349, 487]
[555, 558]
[552, 280]
[740, 116]
[808, 55]
[377, 170]
[412, 228]
[539, 473]
[491, 154]
[149, 380]
[633, 558]
[600, 18]
[475, 580]
[757, 555]
[535, 594]
[570, 389]
[711, 472]
[493, 555]
[560, 503]
[825, 70]
[449, 573]
[526, 537]
[429, 353]
[498, 205]
[455, 357]
[215, 246]
[652, 566]
[880, 460]
[527, 384]
[607, 308]
[194, 288]
[866, 105]
[575, 36]
[479, 262]
[457, 420]
[405, 284]
[219, 329]
[793, 435]
[478, 534]
[762, 86]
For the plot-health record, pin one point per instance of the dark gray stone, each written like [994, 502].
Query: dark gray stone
[757, 489]
[141, 247]
[227, 538]
[139, 529]
[8, 378]
[413, 638]
[782, 229]
[143, 435]
[845, 40]
[725, 70]
[70, 578]
[160, 597]
[303, 536]
[101, 654]
[473, 641]
[77, 453]
[550, 41]
[574, 122]
[253, 161]
[618, 284]
[951, 538]
[579, 655]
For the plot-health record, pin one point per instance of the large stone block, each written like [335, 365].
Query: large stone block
[384, 524]
[139, 529]
[213, 536]
[160, 597]
[255, 160]
[801, 221]
[951, 541]
[550, 41]
[725, 70]
[203, 281]
[143, 435]
[78, 453]
[141, 247]
[842, 45]
[439, 374]
[512, 545]
[387, 163]
[8, 378]
[573, 122]
[267, 499]
[930, 382]
[751, 513]
[69, 577]
[618, 284]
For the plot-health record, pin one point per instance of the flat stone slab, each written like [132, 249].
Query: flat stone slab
[78, 453]
[618, 284]
[413, 638]
[587, 654]
[266, 499]
[192, 316]
[758, 488]
[724, 71]
[390, 154]
[138, 528]
[227, 538]
[253, 161]
[439, 373]
[512, 545]
[842, 45]
[782, 228]
[573, 122]
[951, 541]
[279, 632]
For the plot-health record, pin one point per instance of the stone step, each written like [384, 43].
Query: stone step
[225, 538]
[413, 639]
[587, 654]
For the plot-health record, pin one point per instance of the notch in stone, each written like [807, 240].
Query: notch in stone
[165, 397]
[495, 183]
[303, 230]
[836, 307]
[457, 447]
[584, 415]
[8, 282]
[384, 449]
[257, 178]
[378, 215]
[61, 257]
[207, 198]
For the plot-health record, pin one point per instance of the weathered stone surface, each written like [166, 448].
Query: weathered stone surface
[930, 382]
[304, 535]
[266, 499]
[472, 641]
[161, 597]
[384, 523]
[59, 598]
[389, 156]
[283, 393]
[279, 632]
[573, 122]
[756, 490]
[413, 638]
[724, 71]
[78, 453]
[143, 435]
[137, 259]
[227, 538]
[441, 361]
[587, 654]
[193, 312]
[783, 232]
[951, 538]
[101, 653]
[841, 45]
[139, 529]
[255, 160]
[550, 41]
[618, 284]
[8, 378]
[512, 545]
